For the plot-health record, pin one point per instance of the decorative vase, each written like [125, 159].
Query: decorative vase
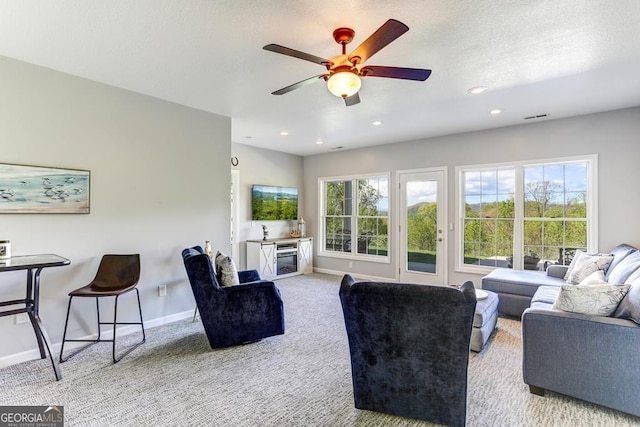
[302, 228]
[207, 248]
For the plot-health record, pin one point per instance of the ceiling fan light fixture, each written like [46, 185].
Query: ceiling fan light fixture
[344, 84]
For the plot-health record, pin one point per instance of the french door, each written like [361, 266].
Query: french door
[422, 216]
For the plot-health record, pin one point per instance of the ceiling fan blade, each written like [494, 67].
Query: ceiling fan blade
[297, 85]
[396, 72]
[352, 100]
[388, 32]
[295, 53]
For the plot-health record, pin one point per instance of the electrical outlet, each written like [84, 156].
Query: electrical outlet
[22, 318]
[162, 290]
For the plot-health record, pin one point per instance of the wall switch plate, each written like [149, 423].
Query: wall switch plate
[22, 318]
[162, 290]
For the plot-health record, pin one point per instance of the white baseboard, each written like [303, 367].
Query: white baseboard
[34, 353]
[354, 275]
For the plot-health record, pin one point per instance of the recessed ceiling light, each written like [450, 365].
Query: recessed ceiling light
[477, 90]
[496, 111]
[284, 133]
[319, 142]
[376, 123]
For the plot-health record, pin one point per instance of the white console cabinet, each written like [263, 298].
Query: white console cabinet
[276, 258]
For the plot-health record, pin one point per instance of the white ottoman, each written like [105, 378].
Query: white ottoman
[484, 321]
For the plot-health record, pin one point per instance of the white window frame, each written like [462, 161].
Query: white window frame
[592, 206]
[354, 255]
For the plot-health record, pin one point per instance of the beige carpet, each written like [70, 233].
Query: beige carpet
[301, 378]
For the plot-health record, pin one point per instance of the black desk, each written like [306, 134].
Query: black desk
[31, 301]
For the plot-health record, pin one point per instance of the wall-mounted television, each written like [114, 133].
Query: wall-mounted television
[272, 203]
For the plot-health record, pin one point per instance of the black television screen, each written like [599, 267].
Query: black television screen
[271, 203]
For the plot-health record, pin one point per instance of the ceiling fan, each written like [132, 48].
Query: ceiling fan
[344, 71]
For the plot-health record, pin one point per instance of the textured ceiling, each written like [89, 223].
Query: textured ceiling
[561, 58]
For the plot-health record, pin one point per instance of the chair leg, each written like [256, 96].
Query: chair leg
[195, 314]
[115, 314]
[64, 335]
[113, 324]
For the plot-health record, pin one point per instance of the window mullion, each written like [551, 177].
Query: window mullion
[518, 221]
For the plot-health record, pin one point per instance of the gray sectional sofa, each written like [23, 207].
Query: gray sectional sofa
[593, 358]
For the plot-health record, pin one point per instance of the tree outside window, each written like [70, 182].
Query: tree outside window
[356, 223]
[553, 215]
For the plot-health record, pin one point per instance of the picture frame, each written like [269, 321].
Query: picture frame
[41, 189]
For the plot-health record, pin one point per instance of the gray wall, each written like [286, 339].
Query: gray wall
[613, 136]
[159, 182]
[268, 167]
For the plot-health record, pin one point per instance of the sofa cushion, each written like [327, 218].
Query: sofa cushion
[629, 307]
[599, 300]
[619, 253]
[585, 264]
[634, 278]
[517, 282]
[546, 294]
[226, 270]
[618, 274]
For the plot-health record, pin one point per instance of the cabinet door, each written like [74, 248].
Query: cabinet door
[268, 261]
[305, 257]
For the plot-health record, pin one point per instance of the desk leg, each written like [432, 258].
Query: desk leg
[43, 338]
[34, 310]
[36, 322]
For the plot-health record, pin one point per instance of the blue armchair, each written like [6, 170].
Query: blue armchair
[409, 347]
[233, 315]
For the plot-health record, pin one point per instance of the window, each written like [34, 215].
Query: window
[355, 216]
[528, 215]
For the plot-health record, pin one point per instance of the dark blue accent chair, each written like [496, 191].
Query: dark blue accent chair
[409, 347]
[233, 315]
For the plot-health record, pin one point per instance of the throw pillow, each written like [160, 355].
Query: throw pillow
[598, 300]
[595, 278]
[226, 270]
[629, 307]
[587, 264]
[573, 263]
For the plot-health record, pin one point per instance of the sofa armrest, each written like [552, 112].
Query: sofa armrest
[574, 354]
[557, 271]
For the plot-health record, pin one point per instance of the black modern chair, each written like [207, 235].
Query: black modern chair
[117, 275]
[409, 348]
[233, 315]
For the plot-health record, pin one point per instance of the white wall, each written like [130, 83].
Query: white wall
[613, 136]
[159, 182]
[267, 167]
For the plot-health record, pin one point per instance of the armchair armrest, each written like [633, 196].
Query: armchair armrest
[248, 276]
[557, 271]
